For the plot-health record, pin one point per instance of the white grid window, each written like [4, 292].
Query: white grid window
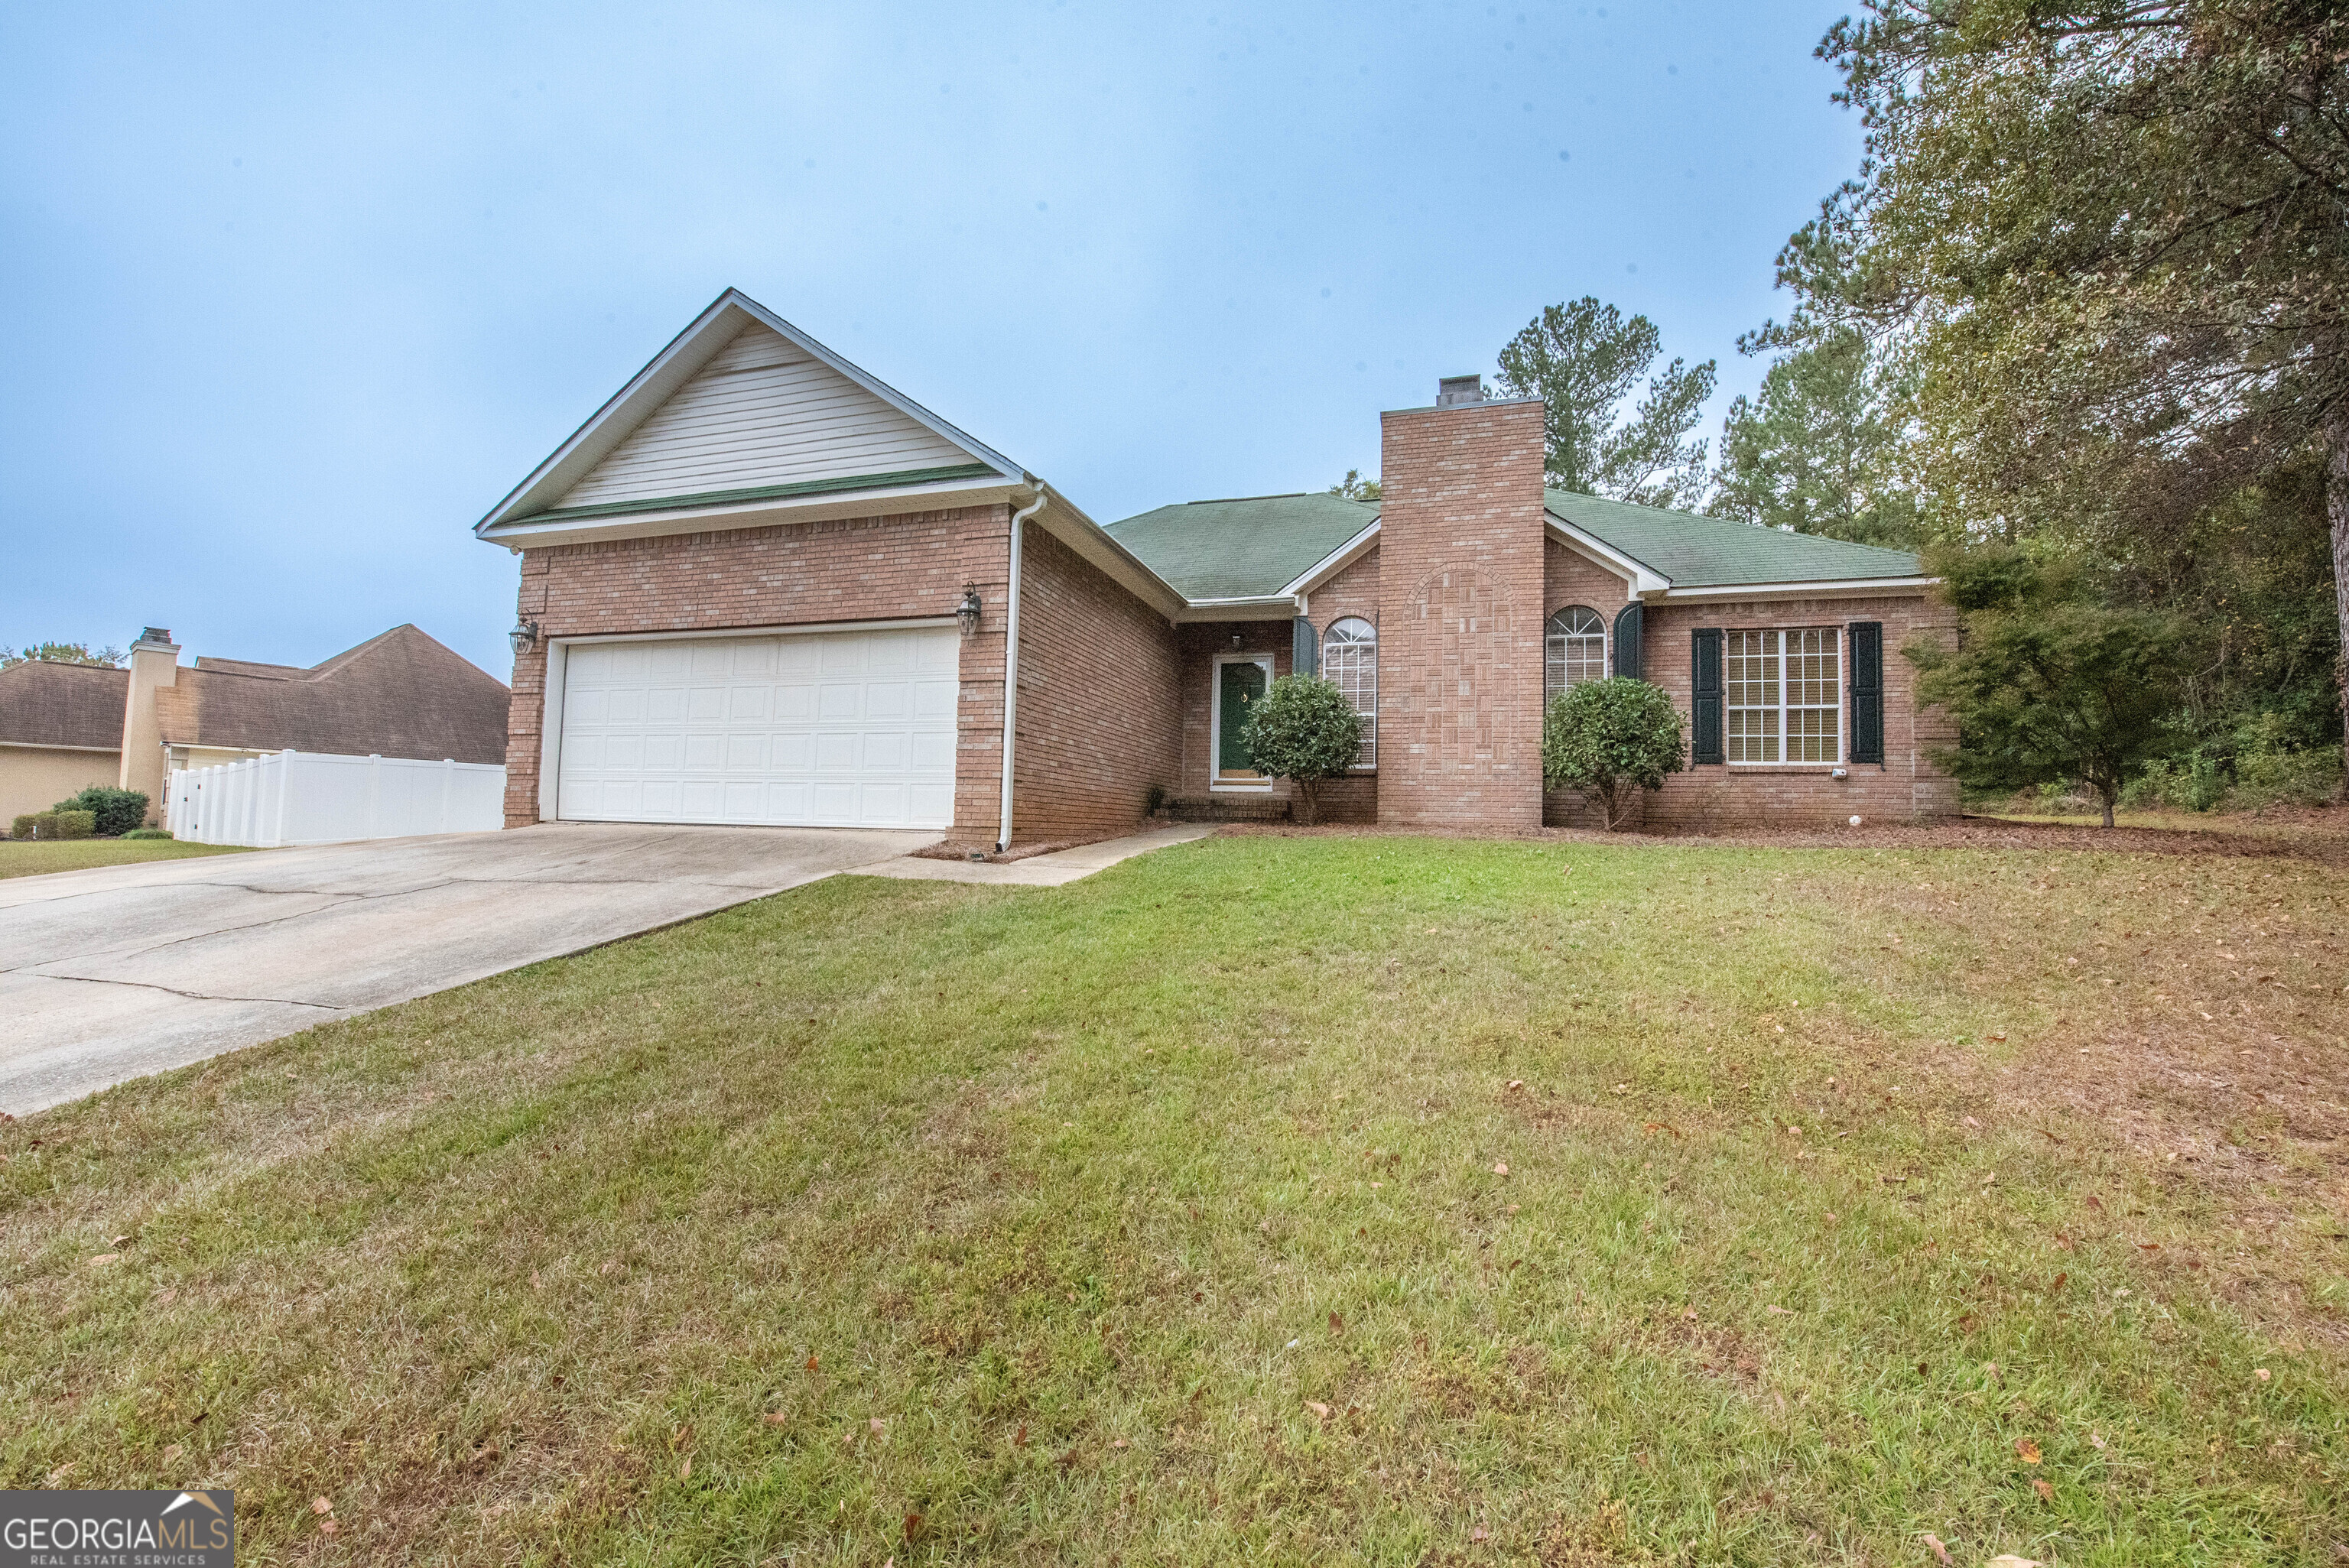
[1781, 693]
[1349, 656]
[1574, 649]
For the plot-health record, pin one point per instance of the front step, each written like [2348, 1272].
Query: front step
[1226, 808]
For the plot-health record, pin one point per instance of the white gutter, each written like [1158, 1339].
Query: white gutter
[1012, 661]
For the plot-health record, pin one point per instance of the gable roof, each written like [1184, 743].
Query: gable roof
[398, 695]
[1689, 550]
[742, 410]
[50, 703]
[1254, 547]
[1250, 547]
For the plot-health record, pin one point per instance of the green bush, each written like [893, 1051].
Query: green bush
[148, 833]
[1609, 738]
[116, 811]
[1304, 728]
[46, 825]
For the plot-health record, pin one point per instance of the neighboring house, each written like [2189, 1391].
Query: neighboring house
[60, 732]
[63, 727]
[759, 586]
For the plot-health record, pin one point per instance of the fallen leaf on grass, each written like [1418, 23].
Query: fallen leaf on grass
[1480, 1534]
[1972, 1123]
[1320, 1411]
[1933, 1544]
[172, 1455]
[103, 1259]
[1117, 1442]
[878, 1426]
[62, 1470]
[1778, 1312]
[2046, 1494]
[1515, 1084]
[1501, 1168]
[320, 1505]
[811, 1363]
[2097, 1441]
[328, 1527]
[2028, 1450]
[776, 1418]
[684, 1468]
[2261, 1373]
[2009, 1560]
[912, 1525]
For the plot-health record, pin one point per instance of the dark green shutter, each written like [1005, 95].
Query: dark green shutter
[1704, 697]
[1867, 692]
[1628, 622]
[1304, 648]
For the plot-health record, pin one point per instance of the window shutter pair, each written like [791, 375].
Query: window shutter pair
[1304, 648]
[1865, 641]
[1628, 622]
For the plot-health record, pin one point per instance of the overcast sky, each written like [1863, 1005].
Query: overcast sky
[291, 297]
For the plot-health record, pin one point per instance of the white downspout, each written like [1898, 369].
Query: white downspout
[1011, 663]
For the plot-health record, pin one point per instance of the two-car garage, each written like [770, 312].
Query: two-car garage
[849, 728]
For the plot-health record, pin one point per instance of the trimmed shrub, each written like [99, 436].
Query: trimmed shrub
[1304, 728]
[116, 812]
[148, 833]
[1609, 738]
[54, 825]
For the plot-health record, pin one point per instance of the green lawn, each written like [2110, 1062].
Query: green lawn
[32, 860]
[1851, 1196]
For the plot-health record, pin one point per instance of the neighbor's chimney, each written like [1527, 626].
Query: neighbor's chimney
[154, 665]
[1460, 610]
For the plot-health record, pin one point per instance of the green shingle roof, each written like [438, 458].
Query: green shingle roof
[1710, 552]
[1253, 547]
[1243, 548]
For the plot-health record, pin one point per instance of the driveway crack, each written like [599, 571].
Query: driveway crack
[198, 996]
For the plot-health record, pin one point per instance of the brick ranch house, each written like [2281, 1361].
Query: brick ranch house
[758, 586]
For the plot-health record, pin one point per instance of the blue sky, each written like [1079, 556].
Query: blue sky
[292, 295]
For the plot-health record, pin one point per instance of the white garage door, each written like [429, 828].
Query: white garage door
[848, 729]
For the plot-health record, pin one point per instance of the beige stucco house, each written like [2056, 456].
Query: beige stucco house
[64, 726]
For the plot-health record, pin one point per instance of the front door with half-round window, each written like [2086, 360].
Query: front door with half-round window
[1240, 683]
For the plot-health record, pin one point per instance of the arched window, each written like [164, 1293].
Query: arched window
[1349, 656]
[1574, 649]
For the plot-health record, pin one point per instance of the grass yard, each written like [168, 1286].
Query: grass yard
[1336, 1199]
[32, 860]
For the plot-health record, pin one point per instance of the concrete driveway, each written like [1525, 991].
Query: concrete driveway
[109, 973]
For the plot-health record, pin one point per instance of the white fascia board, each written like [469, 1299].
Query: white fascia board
[1645, 579]
[670, 369]
[1280, 607]
[1337, 561]
[1065, 522]
[1846, 588]
[523, 533]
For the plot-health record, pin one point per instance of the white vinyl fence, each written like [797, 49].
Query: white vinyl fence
[310, 797]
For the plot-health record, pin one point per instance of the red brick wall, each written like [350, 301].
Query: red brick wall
[1100, 720]
[1460, 596]
[1353, 592]
[1906, 787]
[858, 568]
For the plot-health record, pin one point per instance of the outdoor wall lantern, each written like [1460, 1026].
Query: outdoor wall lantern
[967, 613]
[524, 637]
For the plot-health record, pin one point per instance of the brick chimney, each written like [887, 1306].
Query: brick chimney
[1460, 612]
[154, 665]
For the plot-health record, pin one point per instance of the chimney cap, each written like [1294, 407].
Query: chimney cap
[156, 635]
[1451, 391]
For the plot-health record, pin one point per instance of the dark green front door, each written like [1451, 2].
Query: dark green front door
[1242, 683]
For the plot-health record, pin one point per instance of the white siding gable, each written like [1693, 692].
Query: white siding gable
[762, 412]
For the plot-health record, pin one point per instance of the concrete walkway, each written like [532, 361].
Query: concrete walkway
[1051, 870]
[120, 971]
